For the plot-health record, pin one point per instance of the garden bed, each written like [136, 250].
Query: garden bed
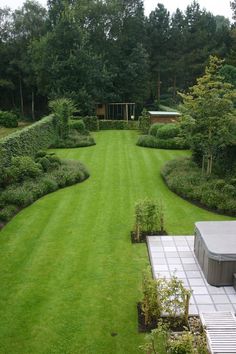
[174, 324]
[143, 235]
[216, 194]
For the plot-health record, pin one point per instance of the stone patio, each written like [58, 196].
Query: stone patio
[173, 255]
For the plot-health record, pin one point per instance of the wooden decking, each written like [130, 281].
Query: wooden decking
[220, 328]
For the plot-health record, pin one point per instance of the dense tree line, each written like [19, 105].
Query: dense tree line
[103, 51]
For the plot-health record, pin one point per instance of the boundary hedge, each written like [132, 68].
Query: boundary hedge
[117, 125]
[28, 141]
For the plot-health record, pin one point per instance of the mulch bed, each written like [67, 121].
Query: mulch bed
[143, 235]
[174, 325]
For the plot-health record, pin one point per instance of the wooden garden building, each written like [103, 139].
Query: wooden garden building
[115, 111]
[163, 117]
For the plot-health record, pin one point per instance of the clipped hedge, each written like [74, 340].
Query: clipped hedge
[8, 119]
[28, 141]
[185, 178]
[150, 141]
[91, 123]
[117, 125]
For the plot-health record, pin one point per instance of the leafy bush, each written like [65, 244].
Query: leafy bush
[164, 297]
[47, 161]
[78, 125]
[149, 218]
[117, 125]
[21, 167]
[154, 128]
[144, 122]
[91, 123]
[7, 212]
[8, 119]
[28, 141]
[184, 177]
[17, 195]
[183, 344]
[168, 131]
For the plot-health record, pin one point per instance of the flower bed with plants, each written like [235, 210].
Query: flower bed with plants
[185, 178]
[27, 179]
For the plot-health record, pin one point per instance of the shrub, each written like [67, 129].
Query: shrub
[91, 123]
[49, 184]
[144, 122]
[149, 217]
[28, 141]
[183, 344]
[151, 306]
[70, 172]
[8, 119]
[75, 140]
[168, 131]
[157, 341]
[17, 195]
[8, 212]
[63, 109]
[77, 125]
[154, 128]
[47, 161]
[21, 167]
[164, 297]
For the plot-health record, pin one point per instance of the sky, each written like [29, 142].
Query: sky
[217, 7]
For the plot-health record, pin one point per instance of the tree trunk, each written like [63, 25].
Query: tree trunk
[21, 97]
[32, 105]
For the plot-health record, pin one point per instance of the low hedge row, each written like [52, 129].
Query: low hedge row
[91, 123]
[28, 141]
[117, 125]
[185, 178]
[8, 119]
[150, 141]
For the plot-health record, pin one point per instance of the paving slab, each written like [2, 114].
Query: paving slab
[174, 255]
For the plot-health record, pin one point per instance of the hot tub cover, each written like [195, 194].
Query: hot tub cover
[219, 238]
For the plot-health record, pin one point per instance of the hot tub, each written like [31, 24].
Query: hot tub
[215, 249]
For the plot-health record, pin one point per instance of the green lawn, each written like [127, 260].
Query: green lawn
[69, 275]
